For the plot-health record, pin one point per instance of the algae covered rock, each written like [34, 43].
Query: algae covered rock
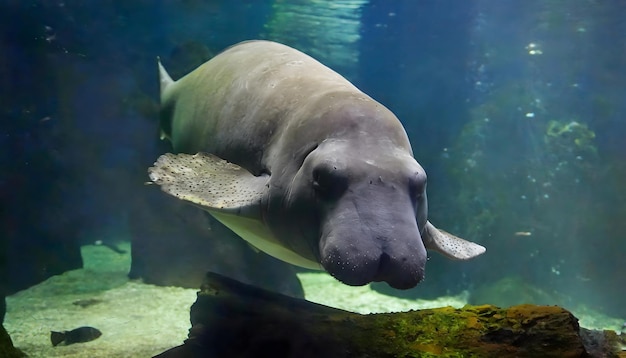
[232, 319]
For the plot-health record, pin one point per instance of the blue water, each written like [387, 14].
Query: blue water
[515, 109]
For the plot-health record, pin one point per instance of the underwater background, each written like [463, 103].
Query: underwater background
[516, 110]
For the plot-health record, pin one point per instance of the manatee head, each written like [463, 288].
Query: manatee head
[361, 207]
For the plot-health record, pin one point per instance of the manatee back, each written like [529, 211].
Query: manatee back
[240, 101]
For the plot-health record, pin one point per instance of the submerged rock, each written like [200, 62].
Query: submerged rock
[174, 244]
[7, 350]
[510, 291]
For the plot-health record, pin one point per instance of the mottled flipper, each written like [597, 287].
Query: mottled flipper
[210, 182]
[451, 246]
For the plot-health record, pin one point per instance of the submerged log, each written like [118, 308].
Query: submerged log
[231, 319]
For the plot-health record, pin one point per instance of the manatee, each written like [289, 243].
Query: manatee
[301, 164]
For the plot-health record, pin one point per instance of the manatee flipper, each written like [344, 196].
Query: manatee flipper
[228, 192]
[210, 182]
[450, 246]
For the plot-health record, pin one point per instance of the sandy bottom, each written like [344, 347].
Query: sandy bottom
[136, 320]
[140, 320]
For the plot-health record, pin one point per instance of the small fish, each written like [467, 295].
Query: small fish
[523, 233]
[78, 335]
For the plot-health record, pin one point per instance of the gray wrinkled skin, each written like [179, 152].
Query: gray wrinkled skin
[321, 175]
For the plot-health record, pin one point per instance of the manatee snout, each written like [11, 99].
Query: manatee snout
[358, 261]
[401, 271]
[371, 233]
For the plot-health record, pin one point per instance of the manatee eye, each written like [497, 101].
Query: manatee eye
[417, 190]
[328, 181]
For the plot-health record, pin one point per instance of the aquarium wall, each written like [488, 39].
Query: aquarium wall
[539, 162]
